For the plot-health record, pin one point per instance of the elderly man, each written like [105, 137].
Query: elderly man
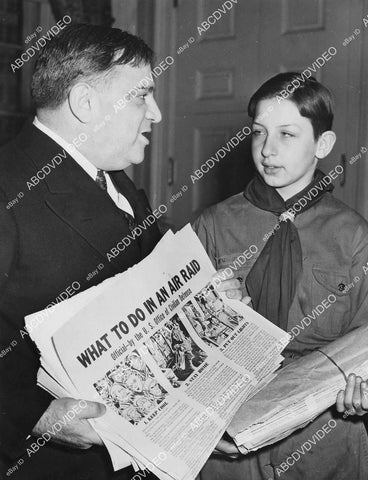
[66, 207]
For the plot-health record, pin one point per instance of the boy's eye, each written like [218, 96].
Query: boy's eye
[257, 132]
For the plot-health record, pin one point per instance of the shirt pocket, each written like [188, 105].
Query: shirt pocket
[330, 299]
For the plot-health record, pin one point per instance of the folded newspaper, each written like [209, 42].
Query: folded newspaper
[170, 357]
[300, 392]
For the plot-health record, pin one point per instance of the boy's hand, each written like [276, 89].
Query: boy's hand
[230, 285]
[229, 449]
[354, 399]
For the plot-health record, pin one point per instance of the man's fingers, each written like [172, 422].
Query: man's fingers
[247, 300]
[222, 275]
[234, 294]
[92, 410]
[231, 284]
[224, 281]
[77, 432]
[92, 436]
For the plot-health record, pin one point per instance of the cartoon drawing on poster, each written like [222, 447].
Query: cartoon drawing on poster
[175, 351]
[131, 389]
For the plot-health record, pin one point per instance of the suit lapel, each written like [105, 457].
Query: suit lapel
[75, 198]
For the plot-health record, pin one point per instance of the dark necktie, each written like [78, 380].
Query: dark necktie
[101, 182]
[129, 219]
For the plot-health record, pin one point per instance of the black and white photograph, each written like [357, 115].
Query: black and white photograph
[214, 320]
[128, 125]
[175, 351]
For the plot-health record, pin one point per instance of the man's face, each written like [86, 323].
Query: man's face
[122, 120]
[283, 146]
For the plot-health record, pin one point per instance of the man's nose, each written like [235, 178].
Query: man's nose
[153, 112]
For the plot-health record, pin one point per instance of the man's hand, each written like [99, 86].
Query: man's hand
[230, 285]
[229, 449]
[354, 399]
[77, 432]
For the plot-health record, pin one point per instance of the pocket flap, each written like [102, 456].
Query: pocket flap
[336, 281]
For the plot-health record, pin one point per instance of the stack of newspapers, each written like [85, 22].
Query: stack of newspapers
[170, 357]
[300, 392]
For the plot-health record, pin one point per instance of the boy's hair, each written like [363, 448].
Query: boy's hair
[82, 51]
[313, 100]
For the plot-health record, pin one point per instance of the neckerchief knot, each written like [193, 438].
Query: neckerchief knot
[288, 215]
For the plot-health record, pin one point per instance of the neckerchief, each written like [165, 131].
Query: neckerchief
[272, 281]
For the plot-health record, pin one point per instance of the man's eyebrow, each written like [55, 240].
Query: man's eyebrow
[149, 89]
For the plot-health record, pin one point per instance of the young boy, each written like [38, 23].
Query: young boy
[310, 251]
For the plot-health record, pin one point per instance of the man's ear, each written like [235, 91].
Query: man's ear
[82, 101]
[325, 144]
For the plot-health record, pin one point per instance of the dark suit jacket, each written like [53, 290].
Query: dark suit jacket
[56, 234]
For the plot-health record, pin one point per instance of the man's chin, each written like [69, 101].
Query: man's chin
[120, 164]
[137, 161]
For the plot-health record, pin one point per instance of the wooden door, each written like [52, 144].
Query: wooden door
[205, 93]
[298, 32]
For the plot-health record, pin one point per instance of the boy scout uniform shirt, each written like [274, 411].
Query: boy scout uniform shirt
[331, 299]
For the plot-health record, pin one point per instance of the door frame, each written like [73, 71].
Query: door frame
[362, 191]
[163, 140]
[165, 24]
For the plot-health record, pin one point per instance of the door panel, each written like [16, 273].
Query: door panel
[216, 72]
[212, 78]
[296, 34]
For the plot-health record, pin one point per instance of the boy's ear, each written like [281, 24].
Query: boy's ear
[325, 144]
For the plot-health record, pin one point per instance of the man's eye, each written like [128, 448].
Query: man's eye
[257, 132]
[287, 134]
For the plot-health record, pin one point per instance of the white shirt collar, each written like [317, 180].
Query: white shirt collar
[119, 199]
[87, 166]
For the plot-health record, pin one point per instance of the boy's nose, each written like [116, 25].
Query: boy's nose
[269, 147]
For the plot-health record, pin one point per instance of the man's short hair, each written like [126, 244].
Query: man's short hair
[313, 99]
[83, 51]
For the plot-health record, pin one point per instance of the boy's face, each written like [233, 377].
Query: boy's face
[283, 146]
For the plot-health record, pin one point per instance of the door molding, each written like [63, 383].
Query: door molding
[165, 24]
[362, 191]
